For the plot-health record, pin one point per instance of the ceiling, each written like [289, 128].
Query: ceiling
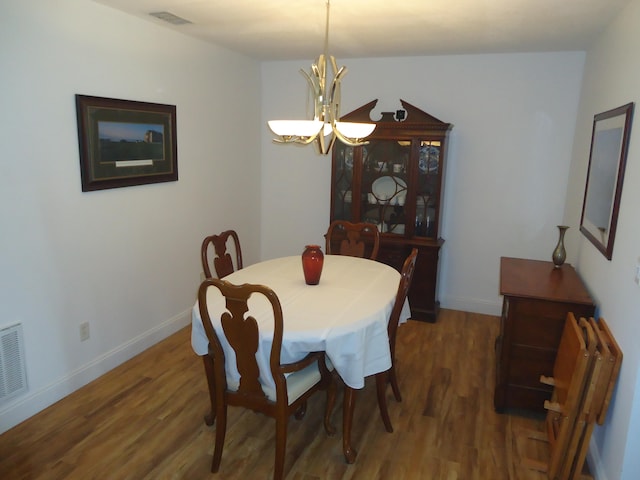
[294, 29]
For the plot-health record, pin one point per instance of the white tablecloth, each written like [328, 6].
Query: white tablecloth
[345, 315]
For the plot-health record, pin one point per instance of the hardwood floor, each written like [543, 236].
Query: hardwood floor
[144, 420]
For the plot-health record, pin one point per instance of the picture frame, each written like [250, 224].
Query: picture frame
[605, 176]
[125, 142]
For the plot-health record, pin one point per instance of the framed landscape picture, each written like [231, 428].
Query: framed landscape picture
[124, 142]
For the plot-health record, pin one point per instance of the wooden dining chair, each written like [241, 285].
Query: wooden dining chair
[294, 382]
[353, 239]
[223, 263]
[389, 376]
[214, 247]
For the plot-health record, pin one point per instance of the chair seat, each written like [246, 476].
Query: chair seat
[297, 383]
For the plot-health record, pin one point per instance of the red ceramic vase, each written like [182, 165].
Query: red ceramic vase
[312, 261]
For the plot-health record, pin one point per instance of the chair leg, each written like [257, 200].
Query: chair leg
[393, 379]
[382, 379]
[329, 384]
[349, 405]
[210, 417]
[221, 430]
[301, 411]
[331, 401]
[281, 445]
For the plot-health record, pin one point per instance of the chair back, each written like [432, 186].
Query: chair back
[406, 276]
[353, 239]
[223, 263]
[239, 329]
[241, 333]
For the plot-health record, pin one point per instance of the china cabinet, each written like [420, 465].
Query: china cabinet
[396, 182]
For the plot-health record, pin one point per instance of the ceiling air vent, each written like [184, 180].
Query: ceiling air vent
[13, 378]
[169, 18]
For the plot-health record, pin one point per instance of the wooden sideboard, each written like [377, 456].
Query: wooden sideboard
[537, 298]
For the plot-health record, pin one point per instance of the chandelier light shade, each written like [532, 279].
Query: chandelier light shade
[325, 126]
[295, 128]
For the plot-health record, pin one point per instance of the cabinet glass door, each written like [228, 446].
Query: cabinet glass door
[384, 184]
[342, 182]
[428, 193]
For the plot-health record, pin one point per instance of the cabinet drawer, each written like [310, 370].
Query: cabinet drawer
[540, 323]
[393, 255]
[528, 398]
[528, 363]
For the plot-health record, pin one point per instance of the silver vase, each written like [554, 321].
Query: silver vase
[559, 253]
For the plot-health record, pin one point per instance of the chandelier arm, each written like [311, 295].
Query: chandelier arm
[334, 96]
[321, 145]
[356, 142]
[295, 139]
[315, 90]
[315, 70]
[321, 74]
[336, 88]
[312, 82]
[305, 140]
[334, 65]
[331, 142]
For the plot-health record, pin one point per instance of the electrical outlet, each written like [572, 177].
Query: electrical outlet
[84, 331]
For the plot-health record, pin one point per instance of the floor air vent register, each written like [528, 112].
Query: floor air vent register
[13, 378]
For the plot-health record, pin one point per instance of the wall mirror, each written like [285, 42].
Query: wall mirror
[607, 159]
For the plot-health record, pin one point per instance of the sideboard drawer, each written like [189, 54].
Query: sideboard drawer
[536, 322]
[528, 363]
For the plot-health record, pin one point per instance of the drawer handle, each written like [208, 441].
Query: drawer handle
[553, 406]
[547, 380]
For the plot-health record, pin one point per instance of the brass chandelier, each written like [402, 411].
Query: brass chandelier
[325, 126]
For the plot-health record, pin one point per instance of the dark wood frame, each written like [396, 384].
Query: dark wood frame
[603, 190]
[101, 164]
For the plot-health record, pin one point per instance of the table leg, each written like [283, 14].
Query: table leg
[347, 420]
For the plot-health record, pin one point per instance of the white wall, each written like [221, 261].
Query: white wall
[508, 165]
[126, 260]
[612, 79]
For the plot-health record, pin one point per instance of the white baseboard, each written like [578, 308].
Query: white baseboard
[595, 463]
[28, 405]
[471, 305]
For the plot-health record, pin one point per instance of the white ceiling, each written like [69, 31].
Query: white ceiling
[294, 29]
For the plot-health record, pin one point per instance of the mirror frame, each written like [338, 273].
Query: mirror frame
[605, 175]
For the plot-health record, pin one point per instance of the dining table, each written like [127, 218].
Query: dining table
[345, 315]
